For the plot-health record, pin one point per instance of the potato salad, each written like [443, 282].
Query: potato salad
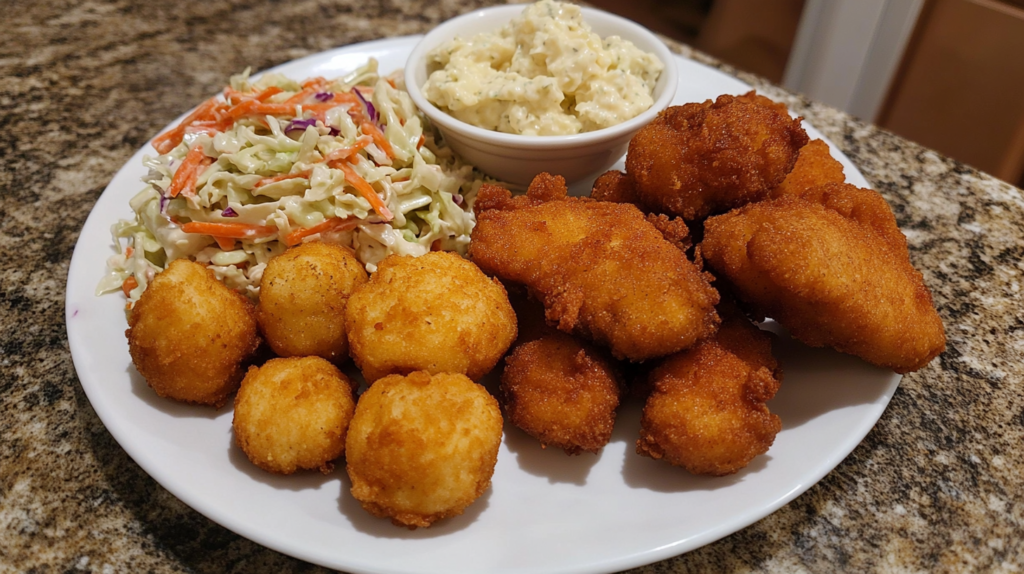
[544, 73]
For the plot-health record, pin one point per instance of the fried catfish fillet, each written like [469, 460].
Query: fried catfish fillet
[834, 269]
[706, 411]
[815, 166]
[600, 269]
[700, 159]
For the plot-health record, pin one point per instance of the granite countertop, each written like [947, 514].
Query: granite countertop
[937, 486]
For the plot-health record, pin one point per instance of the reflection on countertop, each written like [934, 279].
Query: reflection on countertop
[937, 486]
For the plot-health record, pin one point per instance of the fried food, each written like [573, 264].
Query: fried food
[302, 300]
[706, 411]
[700, 159]
[600, 269]
[615, 186]
[834, 272]
[190, 336]
[437, 313]
[562, 392]
[293, 413]
[422, 447]
[815, 166]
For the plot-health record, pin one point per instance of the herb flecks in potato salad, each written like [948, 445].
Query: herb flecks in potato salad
[543, 73]
[275, 162]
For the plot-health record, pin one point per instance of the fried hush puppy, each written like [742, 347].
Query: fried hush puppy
[835, 272]
[814, 166]
[422, 447]
[437, 313]
[600, 269]
[562, 392]
[706, 411]
[190, 336]
[700, 159]
[302, 300]
[293, 413]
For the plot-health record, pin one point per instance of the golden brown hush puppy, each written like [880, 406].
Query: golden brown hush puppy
[293, 413]
[189, 335]
[437, 313]
[562, 392]
[706, 411]
[302, 300]
[422, 447]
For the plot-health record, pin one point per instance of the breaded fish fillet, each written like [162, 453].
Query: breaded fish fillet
[834, 272]
[600, 269]
[706, 411]
[814, 166]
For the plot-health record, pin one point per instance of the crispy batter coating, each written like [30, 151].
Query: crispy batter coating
[700, 159]
[562, 392]
[190, 336]
[421, 448]
[814, 166]
[600, 269]
[707, 412]
[302, 300]
[834, 273]
[292, 414]
[615, 186]
[437, 313]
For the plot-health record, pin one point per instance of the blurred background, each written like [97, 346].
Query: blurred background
[948, 74]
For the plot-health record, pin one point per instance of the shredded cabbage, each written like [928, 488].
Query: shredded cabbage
[275, 171]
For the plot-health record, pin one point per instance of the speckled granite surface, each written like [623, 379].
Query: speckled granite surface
[937, 486]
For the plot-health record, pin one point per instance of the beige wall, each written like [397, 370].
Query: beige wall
[960, 88]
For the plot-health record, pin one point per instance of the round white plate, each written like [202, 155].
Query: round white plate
[545, 512]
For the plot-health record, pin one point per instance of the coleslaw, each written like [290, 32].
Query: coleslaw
[274, 162]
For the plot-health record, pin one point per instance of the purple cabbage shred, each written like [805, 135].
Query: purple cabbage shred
[371, 112]
[300, 124]
[457, 198]
[324, 96]
[228, 212]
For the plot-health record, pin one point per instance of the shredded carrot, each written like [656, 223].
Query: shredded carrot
[379, 139]
[391, 83]
[129, 284]
[317, 82]
[366, 190]
[277, 178]
[268, 93]
[301, 96]
[235, 97]
[347, 152]
[421, 141]
[128, 251]
[185, 177]
[168, 140]
[345, 97]
[229, 230]
[225, 243]
[333, 224]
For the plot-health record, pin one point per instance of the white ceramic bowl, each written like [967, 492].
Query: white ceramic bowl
[516, 158]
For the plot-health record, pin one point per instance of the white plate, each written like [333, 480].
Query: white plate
[545, 512]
